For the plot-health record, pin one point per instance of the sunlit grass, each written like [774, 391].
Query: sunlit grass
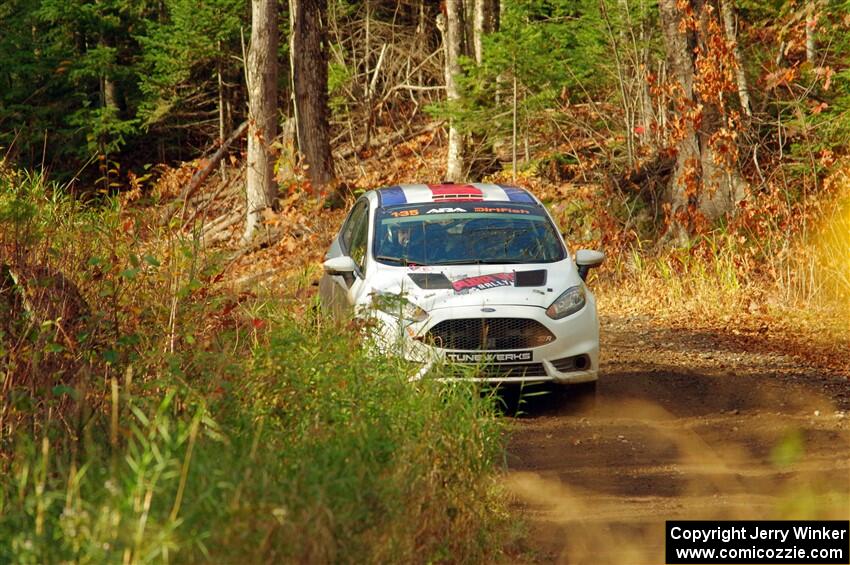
[706, 279]
[833, 253]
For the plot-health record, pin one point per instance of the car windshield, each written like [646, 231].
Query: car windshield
[461, 233]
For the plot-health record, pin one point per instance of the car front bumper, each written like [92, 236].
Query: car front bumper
[575, 337]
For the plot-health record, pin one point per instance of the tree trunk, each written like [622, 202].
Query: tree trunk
[705, 181]
[730, 24]
[811, 22]
[262, 112]
[486, 21]
[622, 81]
[110, 90]
[110, 94]
[310, 75]
[222, 128]
[452, 30]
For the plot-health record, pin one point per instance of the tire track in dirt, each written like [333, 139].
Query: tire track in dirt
[688, 425]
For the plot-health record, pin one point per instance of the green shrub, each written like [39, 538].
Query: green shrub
[320, 452]
[183, 422]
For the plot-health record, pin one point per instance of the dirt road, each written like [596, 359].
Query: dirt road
[688, 425]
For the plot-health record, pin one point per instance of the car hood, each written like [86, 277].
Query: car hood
[437, 287]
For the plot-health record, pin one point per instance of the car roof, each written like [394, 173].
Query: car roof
[404, 194]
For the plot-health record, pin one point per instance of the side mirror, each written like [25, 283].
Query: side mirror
[587, 259]
[340, 266]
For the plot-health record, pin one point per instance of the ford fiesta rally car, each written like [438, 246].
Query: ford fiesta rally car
[473, 275]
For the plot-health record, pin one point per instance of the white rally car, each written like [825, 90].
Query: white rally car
[476, 276]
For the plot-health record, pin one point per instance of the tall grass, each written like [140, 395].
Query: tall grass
[723, 272]
[319, 452]
[705, 278]
[174, 421]
[818, 267]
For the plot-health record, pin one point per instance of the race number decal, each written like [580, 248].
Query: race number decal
[405, 213]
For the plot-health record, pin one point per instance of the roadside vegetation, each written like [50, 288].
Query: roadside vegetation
[157, 417]
[170, 390]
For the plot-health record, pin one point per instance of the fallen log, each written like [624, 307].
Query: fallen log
[386, 140]
[200, 207]
[217, 230]
[650, 176]
[263, 239]
[201, 175]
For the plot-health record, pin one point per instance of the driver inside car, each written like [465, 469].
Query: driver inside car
[402, 242]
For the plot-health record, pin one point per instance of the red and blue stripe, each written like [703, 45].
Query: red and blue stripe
[400, 195]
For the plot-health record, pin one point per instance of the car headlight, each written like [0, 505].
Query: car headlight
[568, 303]
[399, 307]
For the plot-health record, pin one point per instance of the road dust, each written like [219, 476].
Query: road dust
[687, 426]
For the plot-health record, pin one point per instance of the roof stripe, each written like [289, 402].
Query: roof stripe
[495, 192]
[392, 196]
[418, 193]
[455, 189]
[400, 195]
[517, 195]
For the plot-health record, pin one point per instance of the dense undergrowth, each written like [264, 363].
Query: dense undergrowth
[775, 251]
[150, 415]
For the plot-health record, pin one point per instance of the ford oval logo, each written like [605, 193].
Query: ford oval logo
[488, 309]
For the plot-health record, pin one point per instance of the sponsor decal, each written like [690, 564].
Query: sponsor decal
[444, 210]
[490, 356]
[483, 282]
[499, 210]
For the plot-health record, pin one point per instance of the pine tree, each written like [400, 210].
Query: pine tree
[190, 72]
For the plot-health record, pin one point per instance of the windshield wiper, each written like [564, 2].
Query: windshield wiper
[399, 260]
[481, 262]
[501, 262]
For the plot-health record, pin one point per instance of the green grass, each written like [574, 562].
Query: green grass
[319, 451]
[181, 422]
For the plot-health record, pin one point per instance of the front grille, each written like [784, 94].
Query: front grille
[497, 371]
[489, 334]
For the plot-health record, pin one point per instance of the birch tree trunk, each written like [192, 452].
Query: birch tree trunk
[486, 21]
[310, 77]
[261, 189]
[452, 30]
[110, 90]
[222, 129]
[811, 23]
[730, 25]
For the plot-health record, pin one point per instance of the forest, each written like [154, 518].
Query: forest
[173, 172]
